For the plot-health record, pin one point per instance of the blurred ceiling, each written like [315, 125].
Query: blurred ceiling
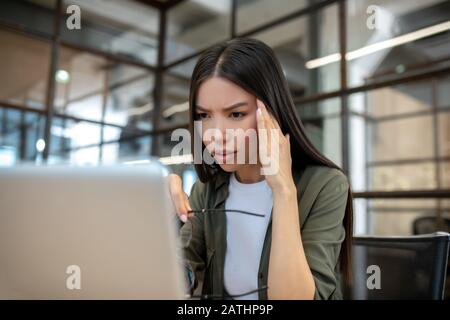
[26, 61]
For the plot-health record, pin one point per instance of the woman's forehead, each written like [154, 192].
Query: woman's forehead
[218, 93]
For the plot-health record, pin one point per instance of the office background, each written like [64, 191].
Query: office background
[115, 89]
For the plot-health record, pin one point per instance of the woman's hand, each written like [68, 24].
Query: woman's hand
[276, 159]
[179, 199]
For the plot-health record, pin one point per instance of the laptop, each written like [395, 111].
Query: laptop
[87, 233]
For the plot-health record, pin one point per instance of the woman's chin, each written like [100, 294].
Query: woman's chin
[229, 167]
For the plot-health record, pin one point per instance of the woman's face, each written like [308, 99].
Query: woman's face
[222, 107]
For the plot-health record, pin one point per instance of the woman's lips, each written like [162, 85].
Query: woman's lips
[222, 155]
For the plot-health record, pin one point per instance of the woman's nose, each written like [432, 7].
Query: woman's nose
[222, 134]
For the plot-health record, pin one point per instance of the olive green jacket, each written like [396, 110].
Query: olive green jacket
[322, 197]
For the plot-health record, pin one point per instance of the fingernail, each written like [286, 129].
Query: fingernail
[183, 218]
[258, 112]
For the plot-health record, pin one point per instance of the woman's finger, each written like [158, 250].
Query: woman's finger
[265, 115]
[180, 208]
[271, 121]
[179, 198]
[264, 139]
[261, 127]
[187, 204]
[182, 200]
[268, 126]
[271, 124]
[259, 120]
[187, 207]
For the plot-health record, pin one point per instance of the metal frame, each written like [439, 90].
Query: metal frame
[159, 86]
[50, 100]
[161, 68]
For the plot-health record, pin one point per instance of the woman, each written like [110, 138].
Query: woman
[297, 242]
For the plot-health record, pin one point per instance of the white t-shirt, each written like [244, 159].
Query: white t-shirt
[245, 235]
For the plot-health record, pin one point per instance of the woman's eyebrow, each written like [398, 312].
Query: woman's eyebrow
[200, 108]
[233, 106]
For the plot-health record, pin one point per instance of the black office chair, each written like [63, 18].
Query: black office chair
[424, 225]
[409, 267]
[429, 224]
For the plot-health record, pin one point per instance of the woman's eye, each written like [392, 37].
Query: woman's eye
[236, 115]
[201, 115]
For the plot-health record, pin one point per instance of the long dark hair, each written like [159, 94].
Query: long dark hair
[253, 66]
